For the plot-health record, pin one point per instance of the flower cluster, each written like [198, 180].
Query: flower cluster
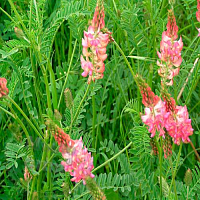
[165, 116]
[170, 51]
[78, 162]
[198, 14]
[3, 89]
[94, 46]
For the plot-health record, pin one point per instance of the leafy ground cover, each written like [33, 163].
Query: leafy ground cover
[99, 99]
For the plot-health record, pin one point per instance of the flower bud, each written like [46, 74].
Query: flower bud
[188, 177]
[95, 191]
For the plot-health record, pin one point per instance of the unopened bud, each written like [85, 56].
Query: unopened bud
[188, 177]
[66, 191]
[94, 189]
[35, 196]
[68, 98]
[27, 175]
[57, 115]
[19, 33]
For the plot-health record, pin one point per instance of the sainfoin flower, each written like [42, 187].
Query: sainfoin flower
[155, 110]
[154, 118]
[94, 46]
[3, 88]
[178, 125]
[27, 175]
[170, 51]
[78, 162]
[165, 116]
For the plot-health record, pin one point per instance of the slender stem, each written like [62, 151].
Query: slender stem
[170, 160]
[187, 192]
[7, 15]
[50, 159]
[49, 182]
[79, 107]
[24, 128]
[115, 156]
[18, 16]
[70, 64]
[106, 162]
[126, 60]
[32, 188]
[195, 151]
[175, 170]
[39, 180]
[160, 158]
[93, 121]
[185, 83]
[9, 113]
[28, 120]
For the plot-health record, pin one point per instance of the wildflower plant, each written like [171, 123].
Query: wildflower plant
[130, 131]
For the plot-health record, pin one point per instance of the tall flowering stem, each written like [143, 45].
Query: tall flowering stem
[170, 51]
[94, 45]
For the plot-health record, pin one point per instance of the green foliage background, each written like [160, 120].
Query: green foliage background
[110, 116]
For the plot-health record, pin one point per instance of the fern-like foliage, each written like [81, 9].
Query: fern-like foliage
[70, 9]
[119, 183]
[14, 152]
[142, 159]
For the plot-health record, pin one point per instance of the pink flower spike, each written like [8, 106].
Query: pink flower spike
[179, 125]
[79, 162]
[170, 51]
[94, 45]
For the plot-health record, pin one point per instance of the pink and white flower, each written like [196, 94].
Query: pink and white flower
[170, 51]
[155, 118]
[94, 46]
[79, 162]
[178, 125]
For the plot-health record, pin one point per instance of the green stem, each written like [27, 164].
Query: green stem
[160, 158]
[79, 107]
[23, 127]
[32, 188]
[28, 120]
[126, 60]
[172, 173]
[70, 64]
[50, 159]
[175, 170]
[93, 121]
[39, 181]
[18, 16]
[106, 162]
[49, 183]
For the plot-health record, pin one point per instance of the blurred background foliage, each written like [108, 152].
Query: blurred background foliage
[111, 117]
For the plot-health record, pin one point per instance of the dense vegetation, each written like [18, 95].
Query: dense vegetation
[40, 50]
